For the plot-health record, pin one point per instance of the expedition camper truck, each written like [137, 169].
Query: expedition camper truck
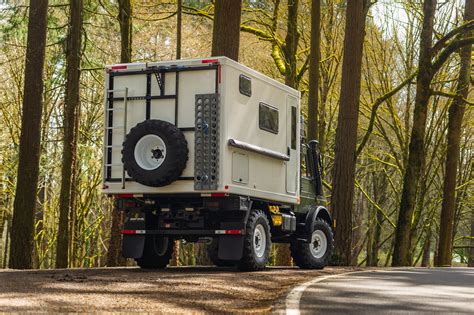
[208, 150]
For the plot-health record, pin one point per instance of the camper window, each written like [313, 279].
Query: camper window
[268, 118]
[293, 128]
[245, 85]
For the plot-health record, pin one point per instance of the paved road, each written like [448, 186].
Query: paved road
[394, 291]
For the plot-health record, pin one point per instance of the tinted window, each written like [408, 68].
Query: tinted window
[293, 128]
[245, 85]
[268, 118]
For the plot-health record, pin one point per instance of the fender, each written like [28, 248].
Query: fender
[314, 213]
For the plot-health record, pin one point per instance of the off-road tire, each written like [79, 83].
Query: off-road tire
[301, 253]
[250, 261]
[176, 153]
[150, 258]
[213, 252]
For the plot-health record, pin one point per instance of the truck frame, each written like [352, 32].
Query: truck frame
[208, 150]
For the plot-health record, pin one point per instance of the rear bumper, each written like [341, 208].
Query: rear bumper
[187, 232]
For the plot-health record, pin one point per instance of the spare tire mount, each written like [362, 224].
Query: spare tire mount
[155, 153]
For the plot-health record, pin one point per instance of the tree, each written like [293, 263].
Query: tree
[124, 17]
[179, 28]
[313, 87]
[226, 31]
[291, 45]
[416, 153]
[72, 100]
[346, 134]
[471, 250]
[28, 165]
[456, 113]
[126, 32]
[283, 254]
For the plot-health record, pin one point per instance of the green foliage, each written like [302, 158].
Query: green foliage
[389, 59]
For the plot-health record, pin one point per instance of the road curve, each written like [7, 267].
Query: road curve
[394, 291]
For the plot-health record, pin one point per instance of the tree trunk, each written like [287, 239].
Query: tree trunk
[456, 113]
[282, 253]
[114, 257]
[125, 22]
[416, 154]
[425, 261]
[357, 238]
[346, 134]
[7, 240]
[471, 250]
[291, 44]
[315, 53]
[28, 166]
[179, 25]
[73, 72]
[376, 242]
[226, 32]
[379, 183]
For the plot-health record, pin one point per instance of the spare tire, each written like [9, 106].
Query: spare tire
[155, 153]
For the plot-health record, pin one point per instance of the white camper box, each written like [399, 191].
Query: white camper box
[258, 126]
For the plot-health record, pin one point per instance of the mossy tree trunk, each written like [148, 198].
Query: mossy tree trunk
[313, 99]
[72, 102]
[282, 253]
[416, 153]
[346, 133]
[114, 255]
[456, 114]
[30, 138]
[226, 31]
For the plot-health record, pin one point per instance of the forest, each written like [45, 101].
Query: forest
[386, 89]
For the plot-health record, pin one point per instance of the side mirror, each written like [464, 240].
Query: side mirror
[302, 128]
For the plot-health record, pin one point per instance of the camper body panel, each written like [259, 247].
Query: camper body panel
[241, 172]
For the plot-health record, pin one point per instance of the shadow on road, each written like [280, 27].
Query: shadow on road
[173, 290]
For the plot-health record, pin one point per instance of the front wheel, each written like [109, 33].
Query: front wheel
[316, 253]
[257, 242]
[156, 253]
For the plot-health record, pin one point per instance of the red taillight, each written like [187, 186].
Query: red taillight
[219, 194]
[233, 232]
[121, 67]
[229, 232]
[132, 232]
[123, 196]
[210, 61]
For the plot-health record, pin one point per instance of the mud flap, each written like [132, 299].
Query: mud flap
[230, 247]
[132, 245]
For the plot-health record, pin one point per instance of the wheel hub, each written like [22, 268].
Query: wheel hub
[150, 152]
[259, 241]
[319, 244]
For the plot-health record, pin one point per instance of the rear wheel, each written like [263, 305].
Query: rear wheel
[257, 242]
[156, 253]
[316, 253]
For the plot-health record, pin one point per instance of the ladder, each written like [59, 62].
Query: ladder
[108, 128]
